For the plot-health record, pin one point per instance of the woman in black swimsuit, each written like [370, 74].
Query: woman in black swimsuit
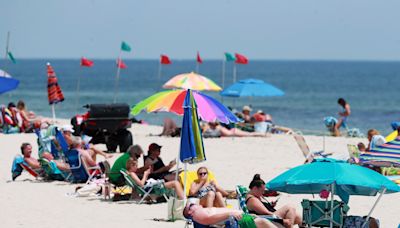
[257, 205]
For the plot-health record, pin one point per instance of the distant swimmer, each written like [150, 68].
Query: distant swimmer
[343, 116]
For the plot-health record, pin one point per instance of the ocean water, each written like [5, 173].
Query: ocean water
[312, 88]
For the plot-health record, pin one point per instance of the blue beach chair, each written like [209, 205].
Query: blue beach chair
[78, 171]
[81, 173]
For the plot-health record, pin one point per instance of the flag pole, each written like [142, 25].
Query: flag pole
[197, 67]
[159, 70]
[234, 72]
[77, 90]
[7, 45]
[117, 76]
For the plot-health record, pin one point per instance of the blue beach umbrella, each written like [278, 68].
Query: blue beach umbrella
[6, 82]
[251, 88]
[341, 178]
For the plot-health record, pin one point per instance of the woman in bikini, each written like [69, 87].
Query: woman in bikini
[210, 194]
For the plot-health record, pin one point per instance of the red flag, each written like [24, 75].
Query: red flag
[165, 60]
[86, 62]
[121, 64]
[199, 60]
[241, 59]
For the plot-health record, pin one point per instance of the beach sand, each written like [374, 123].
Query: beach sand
[30, 203]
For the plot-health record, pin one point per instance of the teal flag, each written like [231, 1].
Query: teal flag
[229, 57]
[125, 46]
[10, 55]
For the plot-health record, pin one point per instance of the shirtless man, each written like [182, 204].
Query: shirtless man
[343, 116]
[214, 215]
[26, 150]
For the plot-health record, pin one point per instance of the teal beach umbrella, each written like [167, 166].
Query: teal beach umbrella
[341, 178]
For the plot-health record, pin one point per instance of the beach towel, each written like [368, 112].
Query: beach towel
[16, 169]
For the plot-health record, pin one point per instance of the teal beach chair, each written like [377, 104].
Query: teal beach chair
[318, 213]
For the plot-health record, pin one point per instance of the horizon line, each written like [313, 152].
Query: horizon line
[213, 59]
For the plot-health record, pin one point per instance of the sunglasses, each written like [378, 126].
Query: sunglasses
[203, 174]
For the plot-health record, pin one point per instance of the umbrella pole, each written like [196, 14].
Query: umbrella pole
[184, 185]
[332, 193]
[53, 110]
[159, 71]
[197, 67]
[223, 74]
[373, 207]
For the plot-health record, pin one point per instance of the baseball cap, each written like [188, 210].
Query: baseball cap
[67, 127]
[154, 146]
[247, 108]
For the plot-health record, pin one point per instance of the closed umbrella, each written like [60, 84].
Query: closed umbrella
[343, 179]
[251, 88]
[7, 83]
[54, 92]
[192, 149]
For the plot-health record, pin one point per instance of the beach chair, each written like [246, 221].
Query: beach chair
[19, 165]
[241, 192]
[191, 176]
[81, 173]
[301, 142]
[51, 171]
[51, 140]
[318, 213]
[157, 188]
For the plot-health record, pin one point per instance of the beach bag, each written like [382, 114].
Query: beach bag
[88, 190]
[175, 209]
[357, 221]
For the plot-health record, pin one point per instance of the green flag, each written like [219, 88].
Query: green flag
[125, 46]
[10, 55]
[229, 57]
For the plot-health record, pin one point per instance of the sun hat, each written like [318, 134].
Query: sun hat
[247, 108]
[67, 127]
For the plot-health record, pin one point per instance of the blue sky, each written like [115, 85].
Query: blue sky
[260, 29]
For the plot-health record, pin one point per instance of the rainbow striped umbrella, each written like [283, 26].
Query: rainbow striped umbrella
[191, 81]
[208, 108]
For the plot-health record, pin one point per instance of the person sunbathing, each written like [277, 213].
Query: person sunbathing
[213, 129]
[216, 215]
[26, 150]
[256, 204]
[132, 168]
[210, 194]
[67, 131]
[375, 139]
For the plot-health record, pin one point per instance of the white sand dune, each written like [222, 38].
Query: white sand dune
[30, 203]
